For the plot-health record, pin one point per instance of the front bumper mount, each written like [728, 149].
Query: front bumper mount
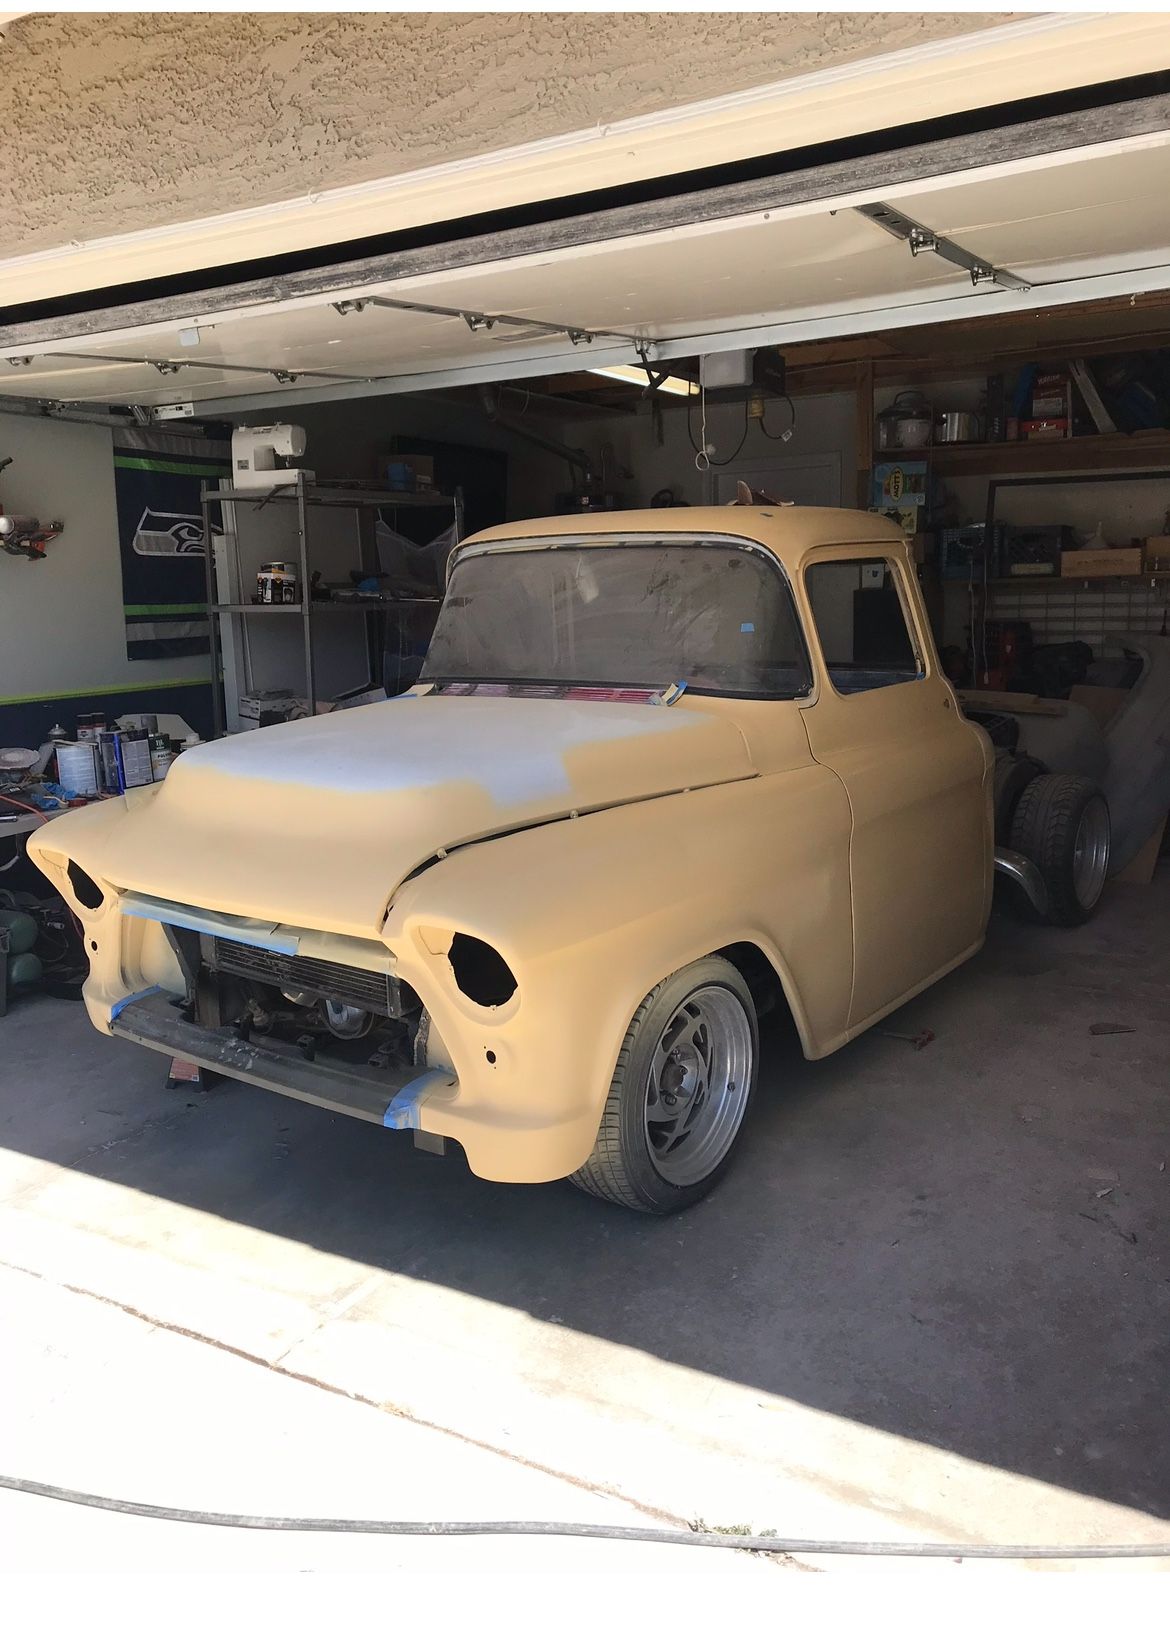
[390, 1096]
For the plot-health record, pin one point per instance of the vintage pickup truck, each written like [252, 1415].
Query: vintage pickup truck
[663, 771]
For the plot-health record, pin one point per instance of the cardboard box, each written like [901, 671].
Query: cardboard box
[906, 515]
[1087, 562]
[1157, 551]
[265, 707]
[1044, 429]
[900, 485]
[1050, 397]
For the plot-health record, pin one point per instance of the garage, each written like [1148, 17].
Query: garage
[262, 818]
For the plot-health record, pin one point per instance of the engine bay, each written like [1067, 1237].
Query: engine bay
[321, 1007]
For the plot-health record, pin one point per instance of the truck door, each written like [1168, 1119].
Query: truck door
[887, 723]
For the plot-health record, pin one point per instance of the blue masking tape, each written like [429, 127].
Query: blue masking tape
[403, 1111]
[142, 993]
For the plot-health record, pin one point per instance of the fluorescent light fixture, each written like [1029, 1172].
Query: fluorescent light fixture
[637, 375]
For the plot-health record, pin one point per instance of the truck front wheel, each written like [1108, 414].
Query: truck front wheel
[681, 1092]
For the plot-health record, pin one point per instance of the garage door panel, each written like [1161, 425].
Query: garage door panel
[1071, 251]
[364, 345]
[306, 337]
[1140, 175]
[97, 382]
[773, 275]
[750, 266]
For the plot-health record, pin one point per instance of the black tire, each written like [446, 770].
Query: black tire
[1050, 815]
[1012, 774]
[621, 1168]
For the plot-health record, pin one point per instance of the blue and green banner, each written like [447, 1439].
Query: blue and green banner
[157, 480]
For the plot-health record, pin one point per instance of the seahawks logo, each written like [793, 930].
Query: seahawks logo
[171, 535]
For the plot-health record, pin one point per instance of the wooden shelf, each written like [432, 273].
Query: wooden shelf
[1150, 449]
[1147, 581]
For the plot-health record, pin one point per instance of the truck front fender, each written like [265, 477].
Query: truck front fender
[589, 913]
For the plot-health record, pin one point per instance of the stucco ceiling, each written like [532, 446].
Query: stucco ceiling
[116, 122]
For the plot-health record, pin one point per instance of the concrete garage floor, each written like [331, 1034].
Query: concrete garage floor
[932, 1300]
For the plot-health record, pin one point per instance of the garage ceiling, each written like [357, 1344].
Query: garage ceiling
[1087, 222]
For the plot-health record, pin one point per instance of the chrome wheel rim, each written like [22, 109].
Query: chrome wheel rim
[697, 1089]
[1091, 853]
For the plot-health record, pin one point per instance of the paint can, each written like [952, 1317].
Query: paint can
[161, 756]
[134, 765]
[77, 771]
[276, 583]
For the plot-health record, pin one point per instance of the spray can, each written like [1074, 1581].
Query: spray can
[107, 743]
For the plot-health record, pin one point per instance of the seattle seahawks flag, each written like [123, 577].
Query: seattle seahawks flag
[157, 478]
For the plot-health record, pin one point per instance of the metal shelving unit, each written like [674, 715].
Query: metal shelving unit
[304, 494]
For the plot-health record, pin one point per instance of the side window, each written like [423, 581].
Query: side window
[861, 624]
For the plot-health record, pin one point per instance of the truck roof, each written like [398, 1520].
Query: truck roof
[788, 532]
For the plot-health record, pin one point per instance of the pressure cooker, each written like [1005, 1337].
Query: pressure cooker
[906, 425]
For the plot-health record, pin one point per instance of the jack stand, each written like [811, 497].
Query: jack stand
[200, 1079]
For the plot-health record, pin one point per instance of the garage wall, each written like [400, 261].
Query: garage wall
[61, 623]
[350, 440]
[815, 466]
[347, 439]
[62, 640]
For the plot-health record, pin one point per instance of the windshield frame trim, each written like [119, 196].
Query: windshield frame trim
[619, 539]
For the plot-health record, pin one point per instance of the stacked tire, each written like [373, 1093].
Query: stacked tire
[1060, 821]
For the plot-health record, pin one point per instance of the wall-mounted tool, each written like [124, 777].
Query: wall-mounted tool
[262, 454]
[25, 537]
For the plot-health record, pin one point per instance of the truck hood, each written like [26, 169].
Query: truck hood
[316, 823]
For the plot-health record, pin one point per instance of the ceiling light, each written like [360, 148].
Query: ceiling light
[638, 375]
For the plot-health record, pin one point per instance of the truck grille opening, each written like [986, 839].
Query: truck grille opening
[347, 984]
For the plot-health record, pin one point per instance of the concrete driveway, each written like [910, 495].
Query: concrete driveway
[932, 1300]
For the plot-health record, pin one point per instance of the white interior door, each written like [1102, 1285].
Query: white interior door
[813, 482]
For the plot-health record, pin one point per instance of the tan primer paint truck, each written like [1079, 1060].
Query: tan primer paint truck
[663, 771]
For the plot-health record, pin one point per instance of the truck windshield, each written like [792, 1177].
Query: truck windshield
[640, 614]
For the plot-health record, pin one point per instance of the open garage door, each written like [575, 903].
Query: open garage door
[1053, 212]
